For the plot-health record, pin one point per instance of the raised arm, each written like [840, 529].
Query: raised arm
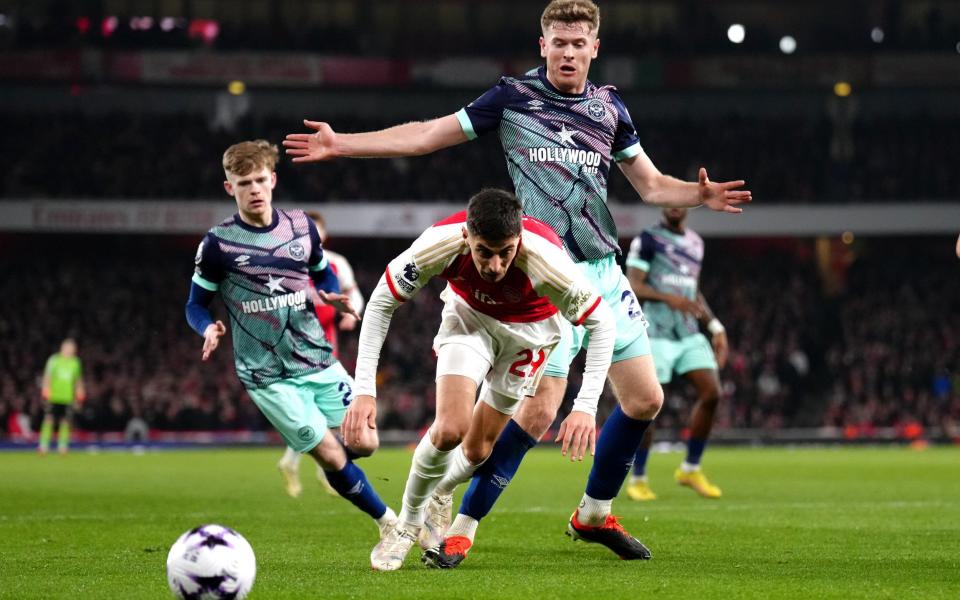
[663, 190]
[409, 139]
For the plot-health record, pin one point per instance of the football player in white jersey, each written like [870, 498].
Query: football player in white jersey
[509, 285]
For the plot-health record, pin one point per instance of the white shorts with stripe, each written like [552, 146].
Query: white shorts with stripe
[506, 358]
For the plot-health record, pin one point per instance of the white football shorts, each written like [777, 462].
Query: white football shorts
[505, 358]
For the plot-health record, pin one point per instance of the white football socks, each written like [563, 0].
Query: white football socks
[429, 465]
[593, 512]
[463, 525]
[387, 517]
[689, 468]
[459, 470]
[291, 459]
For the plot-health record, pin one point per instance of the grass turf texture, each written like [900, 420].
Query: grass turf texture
[819, 523]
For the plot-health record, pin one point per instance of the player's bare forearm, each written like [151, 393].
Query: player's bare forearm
[665, 191]
[409, 139]
[643, 291]
[669, 192]
[656, 188]
[707, 314]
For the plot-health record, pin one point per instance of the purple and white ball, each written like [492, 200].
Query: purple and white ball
[211, 562]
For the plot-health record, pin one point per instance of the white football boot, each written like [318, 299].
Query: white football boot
[388, 555]
[437, 519]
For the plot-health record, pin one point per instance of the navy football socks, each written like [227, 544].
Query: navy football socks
[495, 473]
[616, 446]
[351, 483]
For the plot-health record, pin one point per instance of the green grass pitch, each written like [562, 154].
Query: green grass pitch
[806, 523]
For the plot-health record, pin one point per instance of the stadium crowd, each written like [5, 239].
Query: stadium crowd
[787, 159]
[370, 28]
[881, 352]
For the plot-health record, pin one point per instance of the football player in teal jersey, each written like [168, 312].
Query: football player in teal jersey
[559, 133]
[663, 267]
[269, 269]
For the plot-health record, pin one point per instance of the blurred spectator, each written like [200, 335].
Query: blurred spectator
[883, 353]
[677, 28]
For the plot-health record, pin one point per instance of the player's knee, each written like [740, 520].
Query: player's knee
[364, 448]
[643, 404]
[328, 457]
[535, 419]
[710, 397]
[447, 434]
[477, 453]
[368, 444]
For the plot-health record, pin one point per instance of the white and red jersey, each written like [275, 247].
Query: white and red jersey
[541, 279]
[348, 285]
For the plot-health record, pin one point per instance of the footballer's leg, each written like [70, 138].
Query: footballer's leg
[63, 431]
[455, 396]
[350, 481]
[534, 417]
[707, 385]
[303, 409]
[289, 467]
[639, 398]
[46, 430]
[446, 545]
[665, 354]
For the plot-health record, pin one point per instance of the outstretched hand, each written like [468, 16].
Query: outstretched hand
[341, 302]
[722, 196]
[311, 147]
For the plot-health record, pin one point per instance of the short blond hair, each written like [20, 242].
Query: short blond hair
[571, 11]
[247, 157]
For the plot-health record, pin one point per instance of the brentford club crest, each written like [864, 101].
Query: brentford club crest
[297, 251]
[596, 110]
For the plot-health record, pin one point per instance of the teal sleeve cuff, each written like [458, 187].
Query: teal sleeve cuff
[638, 263]
[628, 152]
[207, 285]
[466, 124]
[323, 264]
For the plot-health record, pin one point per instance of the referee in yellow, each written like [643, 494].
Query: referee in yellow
[62, 385]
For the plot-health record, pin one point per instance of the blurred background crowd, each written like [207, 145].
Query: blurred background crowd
[880, 351]
[818, 104]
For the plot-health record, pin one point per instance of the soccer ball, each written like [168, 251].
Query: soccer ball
[211, 562]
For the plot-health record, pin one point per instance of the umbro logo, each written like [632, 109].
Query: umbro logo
[242, 260]
[535, 104]
[500, 482]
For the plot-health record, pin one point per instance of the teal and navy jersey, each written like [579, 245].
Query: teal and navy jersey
[263, 276]
[672, 263]
[558, 149]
